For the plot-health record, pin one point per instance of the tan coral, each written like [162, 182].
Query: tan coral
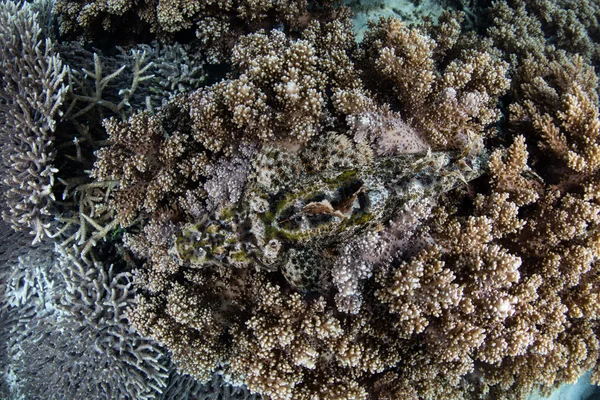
[447, 105]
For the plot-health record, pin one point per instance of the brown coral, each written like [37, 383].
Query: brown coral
[217, 24]
[452, 105]
[491, 292]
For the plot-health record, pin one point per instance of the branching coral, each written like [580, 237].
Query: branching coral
[77, 341]
[521, 253]
[32, 92]
[216, 24]
[185, 386]
[68, 336]
[218, 238]
[12, 246]
[450, 105]
[63, 333]
[279, 94]
[145, 76]
[282, 335]
[203, 269]
[561, 103]
[192, 314]
[523, 28]
[138, 148]
[322, 221]
[92, 95]
[557, 259]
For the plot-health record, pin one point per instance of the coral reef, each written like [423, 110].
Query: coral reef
[210, 256]
[216, 25]
[521, 28]
[185, 387]
[62, 327]
[446, 89]
[244, 201]
[12, 246]
[33, 90]
[560, 220]
[70, 338]
[152, 74]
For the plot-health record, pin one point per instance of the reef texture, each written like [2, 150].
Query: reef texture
[415, 216]
[216, 25]
[33, 90]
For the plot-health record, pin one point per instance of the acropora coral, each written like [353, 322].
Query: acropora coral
[239, 199]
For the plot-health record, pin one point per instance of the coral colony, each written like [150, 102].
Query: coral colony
[239, 199]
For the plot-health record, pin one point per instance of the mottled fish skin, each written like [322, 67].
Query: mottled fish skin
[332, 205]
[321, 210]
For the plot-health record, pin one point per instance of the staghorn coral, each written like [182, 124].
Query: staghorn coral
[74, 341]
[63, 333]
[95, 89]
[146, 76]
[178, 69]
[12, 246]
[83, 218]
[186, 387]
[32, 92]
[28, 286]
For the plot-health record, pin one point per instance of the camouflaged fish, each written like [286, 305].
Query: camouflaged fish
[320, 209]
